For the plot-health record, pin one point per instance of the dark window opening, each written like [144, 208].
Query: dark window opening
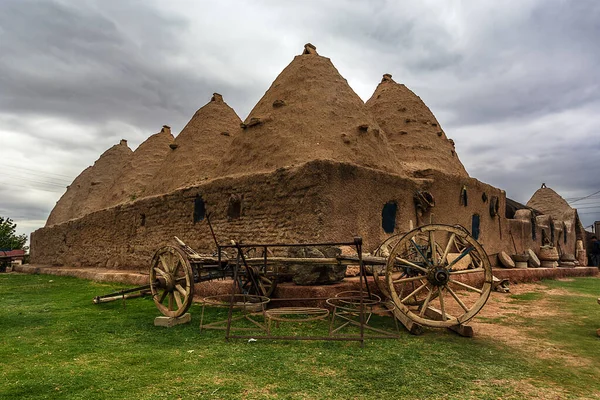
[199, 209]
[142, 219]
[484, 198]
[475, 226]
[388, 216]
[552, 233]
[565, 233]
[533, 226]
[464, 198]
[234, 208]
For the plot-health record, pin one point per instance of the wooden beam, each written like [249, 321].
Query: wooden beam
[411, 326]
[462, 330]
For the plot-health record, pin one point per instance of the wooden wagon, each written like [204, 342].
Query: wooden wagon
[435, 275]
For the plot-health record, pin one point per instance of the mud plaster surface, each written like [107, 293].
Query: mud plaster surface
[309, 112]
[140, 169]
[549, 202]
[412, 130]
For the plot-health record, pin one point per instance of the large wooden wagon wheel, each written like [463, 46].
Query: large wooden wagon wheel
[438, 275]
[171, 281]
[259, 280]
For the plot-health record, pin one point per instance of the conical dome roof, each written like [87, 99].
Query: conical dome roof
[199, 149]
[412, 129]
[309, 112]
[548, 202]
[87, 192]
[141, 168]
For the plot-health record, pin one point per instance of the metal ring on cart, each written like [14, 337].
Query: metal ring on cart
[309, 313]
[240, 301]
[353, 297]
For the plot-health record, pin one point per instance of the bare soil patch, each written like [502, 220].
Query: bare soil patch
[501, 320]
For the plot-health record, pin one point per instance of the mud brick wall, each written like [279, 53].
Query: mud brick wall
[316, 201]
[356, 197]
[524, 238]
[285, 205]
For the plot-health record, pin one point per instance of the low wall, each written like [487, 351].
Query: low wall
[290, 290]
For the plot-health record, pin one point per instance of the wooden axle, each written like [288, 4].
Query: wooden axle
[108, 299]
[341, 260]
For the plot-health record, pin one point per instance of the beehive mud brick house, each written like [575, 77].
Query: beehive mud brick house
[311, 162]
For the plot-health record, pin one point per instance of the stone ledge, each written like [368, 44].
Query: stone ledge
[288, 289]
[537, 274]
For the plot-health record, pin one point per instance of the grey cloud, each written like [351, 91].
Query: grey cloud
[80, 62]
[16, 206]
[556, 150]
[514, 83]
[529, 66]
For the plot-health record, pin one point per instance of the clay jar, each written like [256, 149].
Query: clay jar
[521, 260]
[548, 253]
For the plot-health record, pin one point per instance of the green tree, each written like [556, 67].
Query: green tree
[8, 238]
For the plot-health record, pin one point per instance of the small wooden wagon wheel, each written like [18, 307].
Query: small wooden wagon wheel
[258, 279]
[171, 281]
[438, 275]
[383, 250]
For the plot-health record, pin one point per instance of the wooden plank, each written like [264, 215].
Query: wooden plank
[341, 260]
[169, 322]
[462, 330]
[411, 326]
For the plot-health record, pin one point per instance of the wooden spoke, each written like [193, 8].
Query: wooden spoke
[469, 287]
[160, 271]
[181, 290]
[426, 302]
[162, 296]
[177, 296]
[265, 280]
[261, 286]
[165, 266]
[170, 301]
[412, 265]
[466, 271]
[433, 247]
[476, 261]
[258, 280]
[402, 275]
[448, 246]
[462, 255]
[409, 279]
[442, 307]
[176, 267]
[459, 301]
[414, 293]
[421, 253]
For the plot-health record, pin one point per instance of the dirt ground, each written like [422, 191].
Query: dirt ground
[523, 339]
[501, 305]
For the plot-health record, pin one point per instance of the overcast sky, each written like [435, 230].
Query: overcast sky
[514, 83]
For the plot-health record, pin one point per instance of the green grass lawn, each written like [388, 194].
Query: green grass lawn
[56, 344]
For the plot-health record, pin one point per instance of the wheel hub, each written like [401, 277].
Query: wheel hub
[438, 276]
[169, 282]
